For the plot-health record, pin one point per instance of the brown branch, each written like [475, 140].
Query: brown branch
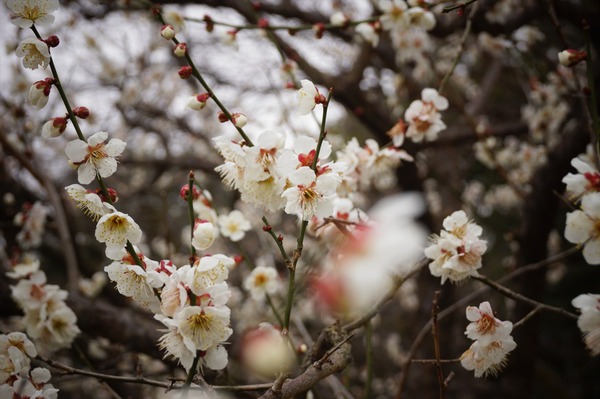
[436, 341]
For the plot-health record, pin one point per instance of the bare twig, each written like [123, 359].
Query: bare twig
[436, 341]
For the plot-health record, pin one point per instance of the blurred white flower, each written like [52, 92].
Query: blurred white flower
[265, 351]
[262, 281]
[424, 120]
[234, 225]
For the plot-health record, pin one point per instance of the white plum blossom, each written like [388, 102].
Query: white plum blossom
[368, 33]
[28, 265]
[424, 120]
[34, 52]
[583, 227]
[493, 342]
[421, 18]
[234, 225]
[395, 15]
[49, 321]
[25, 13]
[309, 194]
[203, 327]
[89, 202]
[589, 320]
[484, 326]
[204, 235]
[115, 229]
[132, 281]
[308, 97]
[587, 180]
[262, 281]
[457, 251]
[95, 156]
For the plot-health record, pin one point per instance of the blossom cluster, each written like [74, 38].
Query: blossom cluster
[48, 319]
[582, 225]
[17, 379]
[493, 342]
[589, 320]
[32, 220]
[273, 177]
[457, 251]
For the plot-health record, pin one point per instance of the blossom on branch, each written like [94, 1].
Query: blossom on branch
[310, 194]
[493, 342]
[424, 120]
[25, 13]
[34, 52]
[94, 157]
[589, 320]
[115, 229]
[308, 97]
[457, 251]
[583, 227]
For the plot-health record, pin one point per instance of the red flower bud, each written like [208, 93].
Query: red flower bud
[52, 41]
[81, 112]
[185, 72]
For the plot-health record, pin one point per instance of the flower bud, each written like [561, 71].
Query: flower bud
[168, 32]
[54, 127]
[52, 41]
[210, 25]
[180, 50]
[204, 234]
[185, 189]
[39, 92]
[570, 57]
[319, 29]
[185, 72]
[239, 120]
[81, 112]
[222, 117]
[198, 102]
[112, 193]
[263, 23]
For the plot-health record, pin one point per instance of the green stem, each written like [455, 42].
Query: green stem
[190, 203]
[284, 255]
[274, 309]
[190, 376]
[196, 73]
[61, 92]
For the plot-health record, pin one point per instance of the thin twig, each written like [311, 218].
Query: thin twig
[436, 341]
[522, 298]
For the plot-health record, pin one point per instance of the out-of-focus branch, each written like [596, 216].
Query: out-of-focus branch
[54, 197]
